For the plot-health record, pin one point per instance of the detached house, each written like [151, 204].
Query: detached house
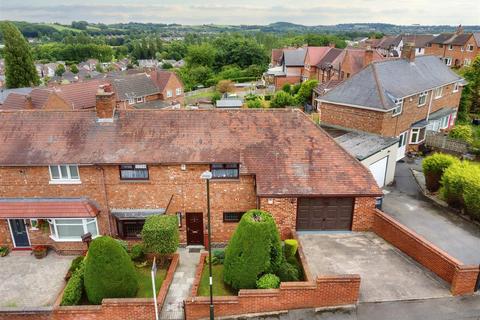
[455, 49]
[66, 173]
[290, 70]
[396, 98]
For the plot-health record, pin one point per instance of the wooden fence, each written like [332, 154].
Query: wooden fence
[440, 140]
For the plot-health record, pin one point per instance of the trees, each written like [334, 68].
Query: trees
[74, 68]
[19, 67]
[200, 55]
[281, 99]
[224, 86]
[109, 272]
[160, 234]
[304, 94]
[60, 70]
[471, 92]
[254, 249]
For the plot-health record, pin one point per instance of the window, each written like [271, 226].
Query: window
[169, 93]
[418, 135]
[422, 98]
[178, 91]
[64, 174]
[139, 99]
[470, 47]
[232, 216]
[398, 107]
[438, 92]
[455, 87]
[133, 172]
[131, 101]
[225, 170]
[448, 61]
[467, 62]
[72, 229]
[130, 229]
[444, 122]
[450, 47]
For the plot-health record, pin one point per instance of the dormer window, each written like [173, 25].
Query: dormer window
[225, 170]
[64, 173]
[398, 107]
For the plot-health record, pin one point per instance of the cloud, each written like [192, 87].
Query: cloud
[244, 12]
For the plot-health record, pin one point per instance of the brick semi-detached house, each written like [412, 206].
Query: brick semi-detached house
[65, 173]
[396, 98]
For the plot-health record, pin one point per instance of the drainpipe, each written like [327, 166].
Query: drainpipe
[106, 199]
[430, 104]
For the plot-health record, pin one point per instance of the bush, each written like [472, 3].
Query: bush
[456, 180]
[76, 263]
[74, 289]
[288, 272]
[462, 132]
[268, 97]
[123, 243]
[281, 99]
[471, 197]
[287, 87]
[254, 249]
[433, 168]
[137, 253]
[296, 88]
[268, 281]
[218, 257]
[109, 272]
[291, 247]
[3, 251]
[254, 104]
[160, 234]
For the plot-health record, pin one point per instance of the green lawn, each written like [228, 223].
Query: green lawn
[61, 28]
[145, 281]
[219, 287]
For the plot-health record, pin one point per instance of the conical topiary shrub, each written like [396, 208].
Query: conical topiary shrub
[254, 249]
[109, 271]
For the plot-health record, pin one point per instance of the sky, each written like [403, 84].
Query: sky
[307, 12]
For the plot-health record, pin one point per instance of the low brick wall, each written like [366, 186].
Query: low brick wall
[311, 293]
[461, 277]
[110, 309]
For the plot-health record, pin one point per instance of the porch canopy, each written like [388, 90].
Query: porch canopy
[135, 214]
[22, 208]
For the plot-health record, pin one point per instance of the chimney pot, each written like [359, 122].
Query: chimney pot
[408, 51]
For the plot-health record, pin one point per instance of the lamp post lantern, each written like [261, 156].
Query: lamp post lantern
[207, 175]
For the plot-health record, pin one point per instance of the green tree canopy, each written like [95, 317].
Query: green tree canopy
[60, 70]
[19, 67]
[200, 55]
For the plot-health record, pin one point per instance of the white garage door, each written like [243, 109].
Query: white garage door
[379, 170]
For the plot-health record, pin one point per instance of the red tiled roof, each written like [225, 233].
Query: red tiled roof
[315, 54]
[284, 149]
[80, 95]
[277, 54]
[161, 78]
[47, 208]
[14, 101]
[355, 58]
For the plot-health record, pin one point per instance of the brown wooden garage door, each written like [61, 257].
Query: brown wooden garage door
[324, 213]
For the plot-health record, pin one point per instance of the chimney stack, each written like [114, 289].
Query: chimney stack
[408, 51]
[459, 29]
[331, 45]
[105, 103]
[368, 57]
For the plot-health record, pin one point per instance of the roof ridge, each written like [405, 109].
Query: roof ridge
[379, 86]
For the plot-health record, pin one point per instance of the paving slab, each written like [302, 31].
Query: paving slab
[386, 273]
[29, 282]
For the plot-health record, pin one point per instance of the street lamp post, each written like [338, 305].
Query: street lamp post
[207, 175]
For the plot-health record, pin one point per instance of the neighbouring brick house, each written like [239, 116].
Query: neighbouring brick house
[169, 85]
[350, 61]
[396, 98]
[455, 49]
[392, 46]
[289, 70]
[67, 173]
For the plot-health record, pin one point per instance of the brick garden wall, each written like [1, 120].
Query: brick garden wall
[461, 277]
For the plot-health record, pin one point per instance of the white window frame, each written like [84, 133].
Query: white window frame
[62, 180]
[131, 101]
[455, 87]
[470, 47]
[438, 92]
[444, 122]
[467, 62]
[178, 91]
[422, 95]
[83, 222]
[448, 61]
[450, 47]
[416, 131]
[169, 93]
[33, 224]
[399, 107]
[139, 99]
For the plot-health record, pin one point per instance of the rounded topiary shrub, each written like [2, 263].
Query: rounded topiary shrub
[109, 271]
[288, 272]
[291, 247]
[459, 183]
[254, 249]
[433, 168]
[160, 234]
[268, 281]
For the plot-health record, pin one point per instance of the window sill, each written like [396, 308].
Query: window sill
[224, 179]
[419, 142]
[134, 181]
[69, 240]
[65, 182]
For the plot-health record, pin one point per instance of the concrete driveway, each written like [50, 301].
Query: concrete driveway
[29, 282]
[386, 273]
[445, 229]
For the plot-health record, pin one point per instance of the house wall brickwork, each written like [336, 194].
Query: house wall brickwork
[281, 81]
[458, 53]
[284, 210]
[172, 85]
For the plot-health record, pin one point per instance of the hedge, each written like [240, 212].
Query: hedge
[254, 249]
[462, 132]
[109, 271]
[433, 168]
[268, 281]
[76, 263]
[160, 234]
[74, 289]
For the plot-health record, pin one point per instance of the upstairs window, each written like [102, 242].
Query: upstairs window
[225, 170]
[450, 47]
[178, 91]
[169, 93]
[455, 87]
[438, 92]
[64, 173]
[133, 172]
[139, 99]
[131, 101]
[470, 47]
[398, 107]
[422, 98]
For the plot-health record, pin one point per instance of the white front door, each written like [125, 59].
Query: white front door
[379, 171]
[402, 145]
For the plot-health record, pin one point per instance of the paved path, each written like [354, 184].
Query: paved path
[181, 285]
[448, 231]
[29, 282]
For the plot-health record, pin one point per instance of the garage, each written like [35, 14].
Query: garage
[379, 170]
[324, 214]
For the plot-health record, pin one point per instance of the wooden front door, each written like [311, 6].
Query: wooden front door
[194, 228]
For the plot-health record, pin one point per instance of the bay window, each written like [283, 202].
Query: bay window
[64, 174]
[417, 135]
[72, 229]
